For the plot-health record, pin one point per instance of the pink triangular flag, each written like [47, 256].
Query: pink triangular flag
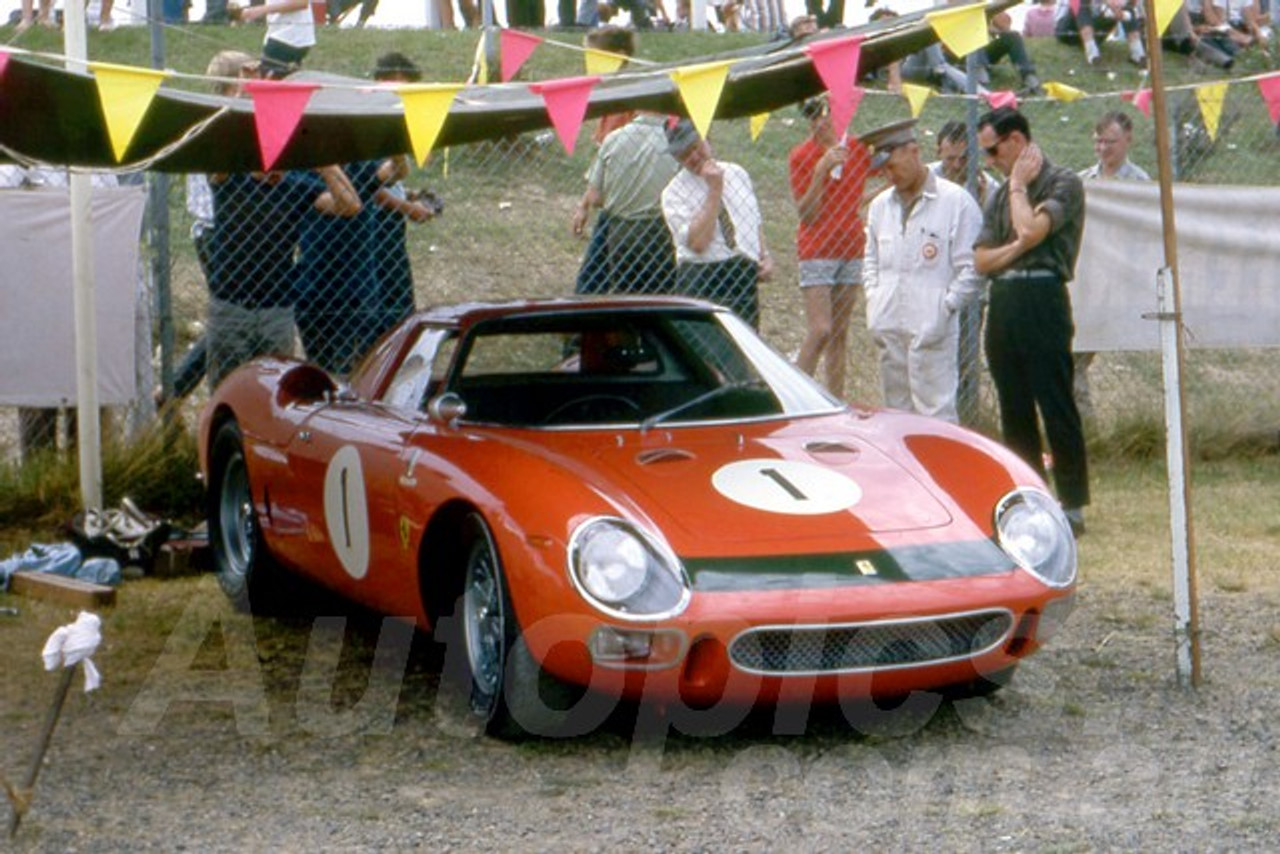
[1270, 88]
[836, 62]
[566, 102]
[516, 47]
[1002, 99]
[1075, 7]
[4, 63]
[1142, 100]
[277, 110]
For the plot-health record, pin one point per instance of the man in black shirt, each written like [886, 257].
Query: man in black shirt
[255, 235]
[1028, 246]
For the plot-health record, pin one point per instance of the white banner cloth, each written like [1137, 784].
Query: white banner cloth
[37, 309]
[1228, 266]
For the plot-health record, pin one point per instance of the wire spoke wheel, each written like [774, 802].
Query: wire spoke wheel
[485, 626]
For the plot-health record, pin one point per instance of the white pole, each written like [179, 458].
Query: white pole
[1185, 623]
[1172, 345]
[88, 436]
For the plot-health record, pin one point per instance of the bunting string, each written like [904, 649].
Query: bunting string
[699, 84]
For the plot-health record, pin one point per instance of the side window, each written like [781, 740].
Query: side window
[421, 370]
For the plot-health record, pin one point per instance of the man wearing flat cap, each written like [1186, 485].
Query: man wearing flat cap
[917, 274]
[712, 212]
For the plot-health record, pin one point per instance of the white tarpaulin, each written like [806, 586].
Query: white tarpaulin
[1228, 266]
[37, 313]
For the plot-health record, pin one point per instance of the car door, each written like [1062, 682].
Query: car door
[344, 460]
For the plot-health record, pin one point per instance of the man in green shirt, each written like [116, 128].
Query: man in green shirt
[626, 180]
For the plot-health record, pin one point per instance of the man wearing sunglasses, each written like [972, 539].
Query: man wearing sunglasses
[1028, 246]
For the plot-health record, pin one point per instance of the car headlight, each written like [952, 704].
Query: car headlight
[625, 572]
[1034, 531]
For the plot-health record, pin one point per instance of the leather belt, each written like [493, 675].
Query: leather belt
[1020, 275]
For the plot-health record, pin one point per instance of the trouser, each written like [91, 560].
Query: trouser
[593, 275]
[1028, 345]
[1012, 45]
[237, 334]
[920, 378]
[280, 59]
[930, 66]
[641, 257]
[1068, 26]
[731, 283]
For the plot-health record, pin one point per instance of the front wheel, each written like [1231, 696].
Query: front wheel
[508, 693]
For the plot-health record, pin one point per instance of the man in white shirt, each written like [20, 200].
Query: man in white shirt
[714, 217]
[291, 33]
[917, 274]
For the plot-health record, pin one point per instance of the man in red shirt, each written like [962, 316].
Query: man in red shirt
[828, 176]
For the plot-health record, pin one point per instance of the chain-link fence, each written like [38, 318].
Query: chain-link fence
[287, 262]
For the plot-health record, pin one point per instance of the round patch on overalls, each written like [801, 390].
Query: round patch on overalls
[930, 251]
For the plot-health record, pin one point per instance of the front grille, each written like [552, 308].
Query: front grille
[885, 645]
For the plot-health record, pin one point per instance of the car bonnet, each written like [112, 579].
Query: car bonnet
[717, 491]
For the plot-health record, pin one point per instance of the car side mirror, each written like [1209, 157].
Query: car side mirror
[343, 394]
[446, 408]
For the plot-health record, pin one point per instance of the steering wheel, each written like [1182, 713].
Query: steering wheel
[593, 408]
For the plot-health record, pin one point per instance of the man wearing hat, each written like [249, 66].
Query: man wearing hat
[712, 212]
[1028, 246]
[918, 273]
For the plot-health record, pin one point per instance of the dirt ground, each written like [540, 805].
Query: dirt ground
[216, 732]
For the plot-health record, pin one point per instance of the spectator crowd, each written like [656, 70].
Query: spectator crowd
[316, 260]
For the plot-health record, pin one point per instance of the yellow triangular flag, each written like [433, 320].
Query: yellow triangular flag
[916, 96]
[700, 87]
[963, 30]
[1211, 99]
[1166, 11]
[480, 65]
[426, 106]
[757, 123]
[125, 94]
[603, 62]
[1062, 92]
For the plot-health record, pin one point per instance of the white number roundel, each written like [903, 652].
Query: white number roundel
[786, 486]
[346, 512]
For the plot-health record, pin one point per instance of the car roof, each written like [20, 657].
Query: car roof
[464, 315]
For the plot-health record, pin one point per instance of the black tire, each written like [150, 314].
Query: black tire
[240, 558]
[507, 691]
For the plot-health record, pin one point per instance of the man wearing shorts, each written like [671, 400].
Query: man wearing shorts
[828, 177]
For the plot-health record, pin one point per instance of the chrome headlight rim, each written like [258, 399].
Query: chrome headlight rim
[664, 557]
[1040, 501]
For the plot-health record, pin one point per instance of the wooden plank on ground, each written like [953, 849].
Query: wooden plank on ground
[62, 590]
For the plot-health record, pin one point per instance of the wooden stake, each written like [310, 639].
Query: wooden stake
[21, 798]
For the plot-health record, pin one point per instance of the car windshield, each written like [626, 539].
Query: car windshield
[639, 367]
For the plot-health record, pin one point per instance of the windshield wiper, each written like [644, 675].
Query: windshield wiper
[709, 394]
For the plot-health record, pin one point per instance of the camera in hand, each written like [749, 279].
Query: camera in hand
[428, 199]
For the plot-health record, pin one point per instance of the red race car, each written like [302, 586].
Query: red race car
[634, 498]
